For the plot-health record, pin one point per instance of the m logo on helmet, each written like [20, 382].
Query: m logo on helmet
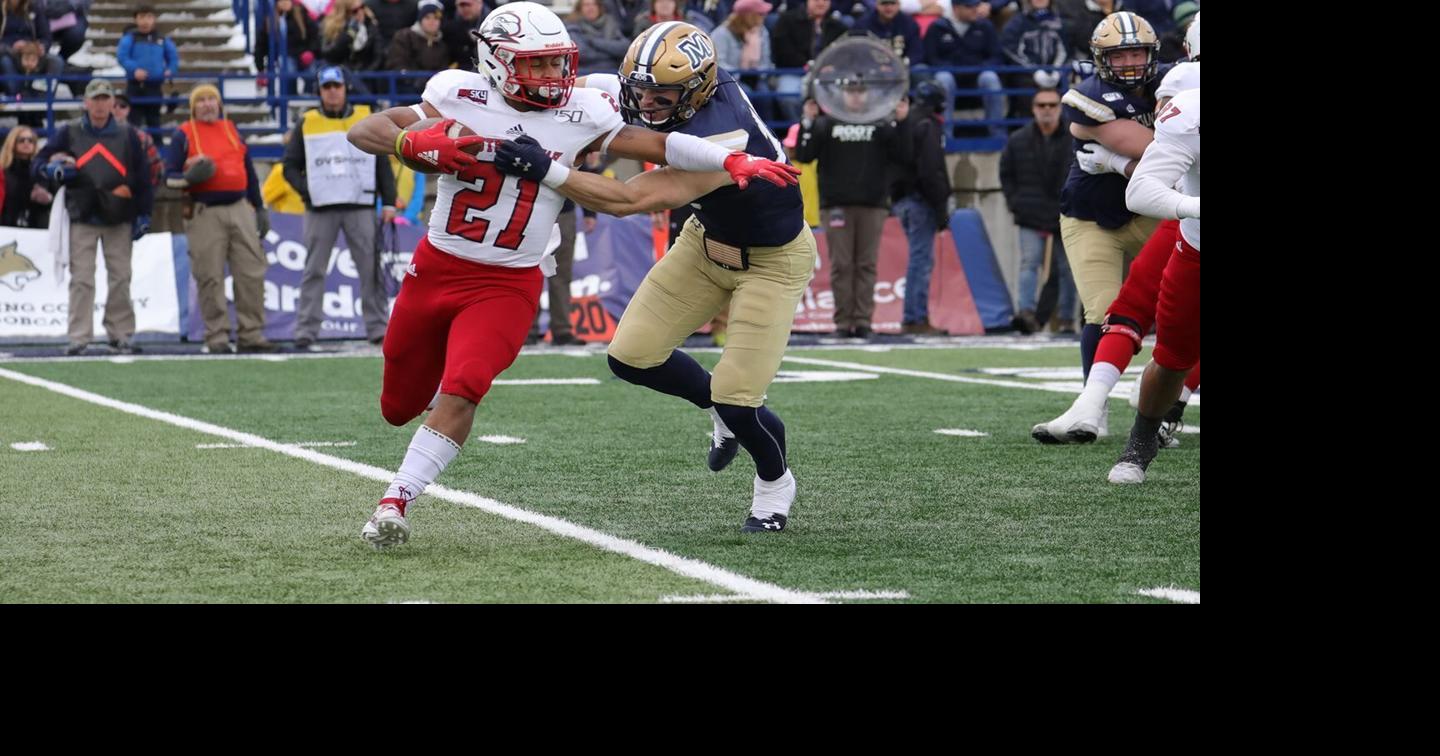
[697, 50]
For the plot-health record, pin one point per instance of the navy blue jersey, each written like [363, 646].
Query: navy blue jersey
[1092, 103]
[763, 215]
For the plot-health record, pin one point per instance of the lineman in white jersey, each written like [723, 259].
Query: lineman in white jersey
[473, 289]
[1173, 157]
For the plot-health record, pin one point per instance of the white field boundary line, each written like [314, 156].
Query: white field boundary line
[1178, 595]
[692, 568]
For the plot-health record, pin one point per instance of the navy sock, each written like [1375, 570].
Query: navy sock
[771, 423]
[678, 376]
[1089, 342]
[757, 437]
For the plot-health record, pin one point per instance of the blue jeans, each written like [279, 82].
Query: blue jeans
[1032, 259]
[789, 110]
[920, 228]
[994, 103]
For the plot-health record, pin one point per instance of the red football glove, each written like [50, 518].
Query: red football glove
[743, 167]
[435, 147]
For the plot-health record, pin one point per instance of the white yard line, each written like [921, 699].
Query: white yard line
[30, 446]
[1178, 595]
[751, 588]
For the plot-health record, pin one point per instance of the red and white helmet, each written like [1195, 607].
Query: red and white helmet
[526, 30]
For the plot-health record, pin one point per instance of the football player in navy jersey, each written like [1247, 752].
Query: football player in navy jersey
[750, 248]
[1116, 109]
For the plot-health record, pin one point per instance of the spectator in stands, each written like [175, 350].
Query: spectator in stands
[225, 221]
[121, 110]
[969, 40]
[24, 66]
[350, 37]
[419, 48]
[669, 10]
[1080, 18]
[23, 19]
[854, 199]
[468, 15]
[107, 196]
[798, 38]
[68, 23]
[742, 43]
[27, 201]
[392, 17]
[149, 59]
[1172, 43]
[1158, 12]
[602, 44]
[801, 34]
[888, 23]
[339, 185]
[302, 44]
[1033, 167]
[921, 195]
[627, 13]
[715, 10]
[1034, 37]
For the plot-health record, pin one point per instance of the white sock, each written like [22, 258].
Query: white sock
[1103, 377]
[720, 424]
[1185, 393]
[430, 452]
[765, 506]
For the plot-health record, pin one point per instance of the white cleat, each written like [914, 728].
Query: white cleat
[1127, 473]
[773, 496]
[387, 527]
[1080, 424]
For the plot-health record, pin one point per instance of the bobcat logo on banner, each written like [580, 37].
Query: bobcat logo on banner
[16, 269]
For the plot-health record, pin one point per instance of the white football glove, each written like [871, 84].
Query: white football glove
[1095, 159]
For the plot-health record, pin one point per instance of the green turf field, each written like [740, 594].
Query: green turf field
[124, 508]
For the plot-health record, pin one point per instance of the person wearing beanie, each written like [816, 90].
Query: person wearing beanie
[420, 48]
[225, 221]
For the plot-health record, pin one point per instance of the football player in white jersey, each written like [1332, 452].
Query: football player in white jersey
[1173, 156]
[473, 289]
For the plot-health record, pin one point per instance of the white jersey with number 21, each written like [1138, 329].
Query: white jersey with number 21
[484, 215]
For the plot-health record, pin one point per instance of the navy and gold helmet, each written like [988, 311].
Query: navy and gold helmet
[676, 63]
[1125, 31]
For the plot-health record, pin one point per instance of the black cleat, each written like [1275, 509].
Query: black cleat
[722, 451]
[771, 524]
